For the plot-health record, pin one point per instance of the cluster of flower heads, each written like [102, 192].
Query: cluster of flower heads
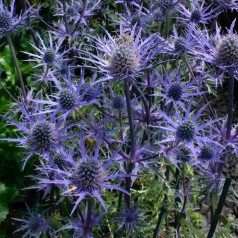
[165, 76]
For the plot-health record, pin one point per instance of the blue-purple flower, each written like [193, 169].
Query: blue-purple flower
[123, 56]
[88, 177]
[35, 225]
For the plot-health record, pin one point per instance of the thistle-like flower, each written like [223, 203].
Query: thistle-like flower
[49, 54]
[173, 88]
[41, 134]
[219, 50]
[9, 22]
[87, 178]
[35, 225]
[178, 44]
[125, 55]
[198, 13]
[129, 221]
[70, 96]
[187, 128]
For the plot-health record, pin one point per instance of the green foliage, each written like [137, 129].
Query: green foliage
[7, 195]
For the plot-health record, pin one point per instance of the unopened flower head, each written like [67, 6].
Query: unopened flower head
[183, 154]
[185, 131]
[43, 136]
[118, 102]
[124, 59]
[227, 50]
[88, 176]
[175, 91]
[67, 99]
[206, 153]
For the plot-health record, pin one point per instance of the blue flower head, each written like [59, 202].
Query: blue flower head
[35, 224]
[125, 55]
[87, 177]
[9, 22]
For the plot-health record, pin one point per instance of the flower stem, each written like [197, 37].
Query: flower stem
[130, 118]
[230, 103]
[22, 85]
[162, 216]
[9, 94]
[203, 95]
[129, 164]
[219, 207]
[89, 213]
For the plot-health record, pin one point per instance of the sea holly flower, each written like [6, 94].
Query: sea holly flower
[76, 13]
[187, 128]
[81, 229]
[173, 88]
[179, 44]
[219, 50]
[123, 56]
[9, 22]
[198, 13]
[49, 54]
[35, 225]
[130, 220]
[70, 96]
[88, 177]
[41, 134]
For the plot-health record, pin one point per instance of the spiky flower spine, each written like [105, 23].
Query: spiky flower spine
[175, 91]
[196, 16]
[206, 152]
[118, 103]
[185, 131]
[5, 21]
[180, 46]
[88, 176]
[124, 58]
[227, 50]
[67, 99]
[49, 56]
[43, 136]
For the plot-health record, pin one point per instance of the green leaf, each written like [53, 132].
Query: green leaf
[193, 229]
[225, 221]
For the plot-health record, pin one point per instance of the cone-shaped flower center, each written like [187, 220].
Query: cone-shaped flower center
[49, 56]
[186, 131]
[227, 50]
[180, 46]
[206, 152]
[184, 154]
[5, 21]
[118, 102]
[196, 16]
[124, 58]
[175, 91]
[43, 136]
[88, 92]
[66, 99]
[88, 176]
